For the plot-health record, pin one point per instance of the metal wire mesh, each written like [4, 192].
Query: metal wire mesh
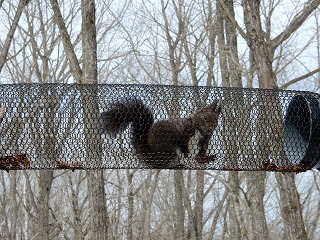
[71, 126]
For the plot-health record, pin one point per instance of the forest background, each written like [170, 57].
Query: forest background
[229, 43]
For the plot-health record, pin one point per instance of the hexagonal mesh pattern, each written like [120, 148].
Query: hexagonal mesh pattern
[70, 126]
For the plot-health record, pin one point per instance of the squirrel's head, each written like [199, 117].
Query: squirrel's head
[206, 119]
[216, 106]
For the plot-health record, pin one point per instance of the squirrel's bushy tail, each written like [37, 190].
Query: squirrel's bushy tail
[126, 112]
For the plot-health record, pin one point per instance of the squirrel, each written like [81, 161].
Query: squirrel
[156, 143]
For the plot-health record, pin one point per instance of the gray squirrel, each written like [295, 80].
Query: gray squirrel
[156, 143]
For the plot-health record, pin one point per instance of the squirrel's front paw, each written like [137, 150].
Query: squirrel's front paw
[206, 159]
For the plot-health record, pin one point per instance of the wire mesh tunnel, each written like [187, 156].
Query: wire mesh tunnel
[71, 126]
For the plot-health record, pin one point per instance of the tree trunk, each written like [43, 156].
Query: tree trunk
[75, 203]
[237, 228]
[262, 50]
[130, 205]
[232, 48]
[260, 47]
[89, 42]
[290, 207]
[13, 204]
[180, 211]
[222, 46]
[49, 147]
[198, 209]
[45, 183]
[97, 201]
[212, 35]
[231, 77]
[258, 228]
[148, 204]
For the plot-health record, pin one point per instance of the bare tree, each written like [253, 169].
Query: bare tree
[99, 219]
[13, 205]
[98, 209]
[263, 48]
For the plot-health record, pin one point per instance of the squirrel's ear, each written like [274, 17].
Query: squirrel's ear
[214, 104]
[218, 108]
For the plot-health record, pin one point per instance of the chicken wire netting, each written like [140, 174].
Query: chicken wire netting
[90, 126]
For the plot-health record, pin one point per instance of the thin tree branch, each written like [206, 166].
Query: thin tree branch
[296, 23]
[68, 47]
[120, 55]
[7, 43]
[295, 80]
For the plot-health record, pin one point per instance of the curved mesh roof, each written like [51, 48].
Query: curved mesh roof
[58, 126]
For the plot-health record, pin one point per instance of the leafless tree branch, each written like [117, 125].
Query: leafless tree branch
[296, 23]
[68, 47]
[13, 26]
[295, 80]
